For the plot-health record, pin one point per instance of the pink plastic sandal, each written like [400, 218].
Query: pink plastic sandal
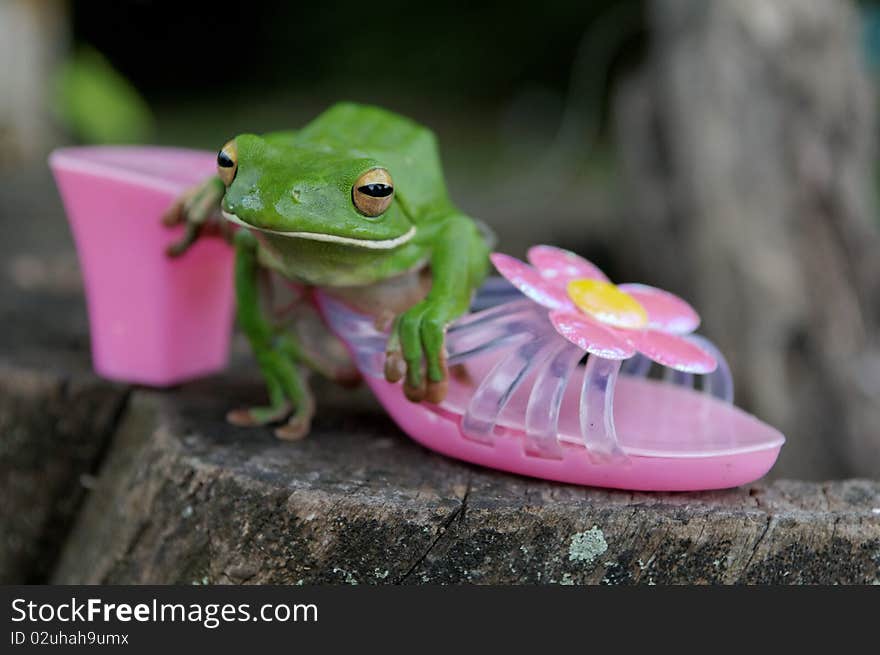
[528, 405]
[153, 320]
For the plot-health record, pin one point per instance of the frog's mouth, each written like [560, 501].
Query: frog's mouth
[382, 244]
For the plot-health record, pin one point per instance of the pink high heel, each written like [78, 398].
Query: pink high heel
[528, 404]
[153, 320]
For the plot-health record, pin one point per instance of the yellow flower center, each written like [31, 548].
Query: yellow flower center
[608, 304]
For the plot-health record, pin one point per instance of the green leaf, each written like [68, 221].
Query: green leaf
[97, 104]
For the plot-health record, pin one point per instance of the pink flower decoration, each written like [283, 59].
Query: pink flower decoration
[590, 327]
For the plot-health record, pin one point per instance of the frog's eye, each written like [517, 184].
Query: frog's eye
[227, 162]
[373, 192]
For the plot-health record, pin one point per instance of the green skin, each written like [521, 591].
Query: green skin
[301, 182]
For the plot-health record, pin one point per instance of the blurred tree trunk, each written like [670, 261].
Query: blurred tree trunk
[33, 35]
[748, 144]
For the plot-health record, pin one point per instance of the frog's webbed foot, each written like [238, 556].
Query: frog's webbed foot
[416, 352]
[297, 427]
[299, 424]
[250, 417]
[289, 398]
[196, 208]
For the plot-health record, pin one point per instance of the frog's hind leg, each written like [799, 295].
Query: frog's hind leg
[295, 384]
[285, 379]
[278, 409]
[289, 398]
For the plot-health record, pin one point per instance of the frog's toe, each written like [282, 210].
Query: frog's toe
[177, 212]
[395, 366]
[414, 387]
[433, 330]
[240, 417]
[189, 237]
[438, 380]
[200, 207]
[436, 391]
[174, 214]
[295, 429]
[415, 392]
[300, 424]
[256, 416]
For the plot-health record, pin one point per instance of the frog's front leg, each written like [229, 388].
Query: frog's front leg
[194, 209]
[276, 354]
[459, 260]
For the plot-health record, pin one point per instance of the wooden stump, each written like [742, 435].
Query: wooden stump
[184, 498]
[53, 430]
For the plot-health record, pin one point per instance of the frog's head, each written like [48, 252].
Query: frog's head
[310, 193]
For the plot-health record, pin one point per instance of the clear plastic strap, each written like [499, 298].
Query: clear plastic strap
[495, 291]
[495, 330]
[636, 366]
[718, 383]
[456, 357]
[469, 322]
[371, 362]
[597, 409]
[545, 401]
[680, 378]
[496, 389]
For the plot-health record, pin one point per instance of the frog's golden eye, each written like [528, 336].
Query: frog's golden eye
[373, 192]
[227, 162]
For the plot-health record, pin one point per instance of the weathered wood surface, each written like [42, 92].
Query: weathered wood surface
[749, 145]
[53, 430]
[185, 498]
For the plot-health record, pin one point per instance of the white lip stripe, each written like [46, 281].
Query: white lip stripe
[387, 244]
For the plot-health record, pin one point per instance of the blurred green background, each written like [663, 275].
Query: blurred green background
[519, 97]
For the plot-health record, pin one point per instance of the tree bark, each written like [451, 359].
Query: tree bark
[748, 144]
[33, 36]
[53, 431]
[184, 498]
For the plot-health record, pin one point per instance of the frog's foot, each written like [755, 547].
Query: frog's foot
[416, 352]
[297, 426]
[278, 409]
[256, 416]
[300, 424]
[288, 391]
[194, 208]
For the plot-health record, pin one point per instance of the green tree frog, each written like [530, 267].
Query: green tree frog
[354, 203]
